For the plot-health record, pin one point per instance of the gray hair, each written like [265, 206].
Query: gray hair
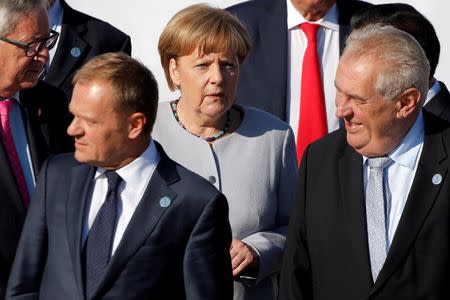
[405, 63]
[12, 10]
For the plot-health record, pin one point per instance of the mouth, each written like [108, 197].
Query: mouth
[215, 95]
[352, 127]
[79, 144]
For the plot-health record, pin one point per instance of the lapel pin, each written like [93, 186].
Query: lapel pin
[437, 179]
[75, 51]
[164, 201]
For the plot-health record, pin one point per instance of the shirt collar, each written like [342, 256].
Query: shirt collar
[407, 152]
[54, 14]
[433, 91]
[295, 18]
[135, 173]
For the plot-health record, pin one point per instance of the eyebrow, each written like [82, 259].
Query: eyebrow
[352, 96]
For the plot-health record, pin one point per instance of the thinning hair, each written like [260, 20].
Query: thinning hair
[403, 62]
[12, 10]
[205, 28]
[134, 85]
[404, 17]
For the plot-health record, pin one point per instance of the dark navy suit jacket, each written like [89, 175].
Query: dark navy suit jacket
[175, 252]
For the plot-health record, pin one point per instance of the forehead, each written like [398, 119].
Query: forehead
[354, 73]
[31, 24]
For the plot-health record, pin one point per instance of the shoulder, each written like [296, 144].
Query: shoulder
[184, 181]
[254, 9]
[95, 26]
[347, 8]
[42, 92]
[258, 119]
[330, 147]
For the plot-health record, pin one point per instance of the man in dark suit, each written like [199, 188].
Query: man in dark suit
[264, 80]
[33, 113]
[407, 18]
[379, 230]
[81, 38]
[161, 231]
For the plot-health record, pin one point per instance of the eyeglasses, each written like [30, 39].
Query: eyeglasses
[33, 48]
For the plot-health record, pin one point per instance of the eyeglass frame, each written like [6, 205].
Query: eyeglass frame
[27, 46]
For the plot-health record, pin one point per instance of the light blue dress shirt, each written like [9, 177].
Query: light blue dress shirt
[400, 175]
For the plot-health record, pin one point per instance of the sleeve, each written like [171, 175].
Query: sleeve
[207, 262]
[30, 257]
[295, 278]
[270, 244]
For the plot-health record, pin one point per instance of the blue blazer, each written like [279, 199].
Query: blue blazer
[263, 75]
[175, 252]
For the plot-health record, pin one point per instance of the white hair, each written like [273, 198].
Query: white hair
[12, 10]
[404, 62]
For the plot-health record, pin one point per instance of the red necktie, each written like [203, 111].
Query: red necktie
[8, 142]
[312, 123]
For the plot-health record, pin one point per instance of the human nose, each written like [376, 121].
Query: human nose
[343, 107]
[216, 75]
[74, 128]
[42, 54]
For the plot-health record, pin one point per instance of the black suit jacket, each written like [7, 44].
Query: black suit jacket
[91, 36]
[263, 75]
[175, 252]
[45, 115]
[326, 254]
[440, 103]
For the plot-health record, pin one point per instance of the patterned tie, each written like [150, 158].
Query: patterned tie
[312, 123]
[375, 212]
[6, 136]
[101, 236]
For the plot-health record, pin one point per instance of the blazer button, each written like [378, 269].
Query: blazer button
[212, 179]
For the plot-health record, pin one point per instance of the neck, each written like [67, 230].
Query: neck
[200, 124]
[136, 148]
[313, 12]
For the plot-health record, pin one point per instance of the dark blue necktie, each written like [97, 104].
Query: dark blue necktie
[101, 236]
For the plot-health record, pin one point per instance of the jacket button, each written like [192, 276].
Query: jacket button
[212, 179]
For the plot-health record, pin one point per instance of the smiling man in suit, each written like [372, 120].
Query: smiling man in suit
[33, 117]
[379, 230]
[82, 37]
[119, 219]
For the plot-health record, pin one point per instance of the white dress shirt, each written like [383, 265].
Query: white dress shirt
[55, 15]
[328, 53]
[400, 175]
[136, 176]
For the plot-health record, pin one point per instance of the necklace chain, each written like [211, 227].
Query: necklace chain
[217, 136]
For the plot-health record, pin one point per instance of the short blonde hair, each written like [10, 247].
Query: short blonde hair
[134, 85]
[205, 28]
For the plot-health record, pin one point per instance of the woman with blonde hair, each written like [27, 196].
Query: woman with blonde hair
[249, 155]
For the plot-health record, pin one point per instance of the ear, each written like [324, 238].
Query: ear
[136, 124]
[408, 102]
[173, 71]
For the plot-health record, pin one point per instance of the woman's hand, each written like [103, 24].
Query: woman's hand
[243, 259]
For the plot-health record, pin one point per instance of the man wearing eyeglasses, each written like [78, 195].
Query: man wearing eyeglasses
[33, 116]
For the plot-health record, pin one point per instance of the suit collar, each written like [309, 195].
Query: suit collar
[72, 48]
[439, 105]
[421, 197]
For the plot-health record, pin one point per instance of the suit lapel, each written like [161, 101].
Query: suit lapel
[81, 178]
[70, 41]
[352, 195]
[145, 218]
[420, 201]
[35, 128]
